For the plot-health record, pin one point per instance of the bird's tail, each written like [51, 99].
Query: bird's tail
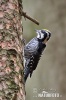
[26, 73]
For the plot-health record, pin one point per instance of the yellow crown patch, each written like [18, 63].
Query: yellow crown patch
[46, 30]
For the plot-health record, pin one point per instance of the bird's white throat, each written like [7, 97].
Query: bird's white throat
[40, 35]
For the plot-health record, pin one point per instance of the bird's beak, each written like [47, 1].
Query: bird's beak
[37, 31]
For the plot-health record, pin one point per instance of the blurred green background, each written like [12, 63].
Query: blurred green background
[51, 70]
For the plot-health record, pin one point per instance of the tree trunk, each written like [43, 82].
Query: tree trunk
[11, 47]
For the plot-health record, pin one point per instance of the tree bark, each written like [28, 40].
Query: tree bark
[11, 51]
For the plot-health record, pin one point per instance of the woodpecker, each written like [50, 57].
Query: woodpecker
[33, 51]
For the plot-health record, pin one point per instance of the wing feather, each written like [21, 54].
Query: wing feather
[31, 47]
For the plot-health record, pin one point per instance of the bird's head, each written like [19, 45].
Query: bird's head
[43, 35]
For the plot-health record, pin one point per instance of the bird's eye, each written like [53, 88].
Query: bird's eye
[42, 31]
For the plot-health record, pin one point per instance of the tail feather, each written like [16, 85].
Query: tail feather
[26, 73]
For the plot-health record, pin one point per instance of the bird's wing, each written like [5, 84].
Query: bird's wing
[31, 48]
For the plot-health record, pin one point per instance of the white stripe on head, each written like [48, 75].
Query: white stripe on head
[40, 35]
[47, 34]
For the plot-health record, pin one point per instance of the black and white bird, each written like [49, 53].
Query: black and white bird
[33, 50]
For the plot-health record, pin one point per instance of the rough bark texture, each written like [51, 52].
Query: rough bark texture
[11, 60]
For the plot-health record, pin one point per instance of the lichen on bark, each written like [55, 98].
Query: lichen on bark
[11, 66]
